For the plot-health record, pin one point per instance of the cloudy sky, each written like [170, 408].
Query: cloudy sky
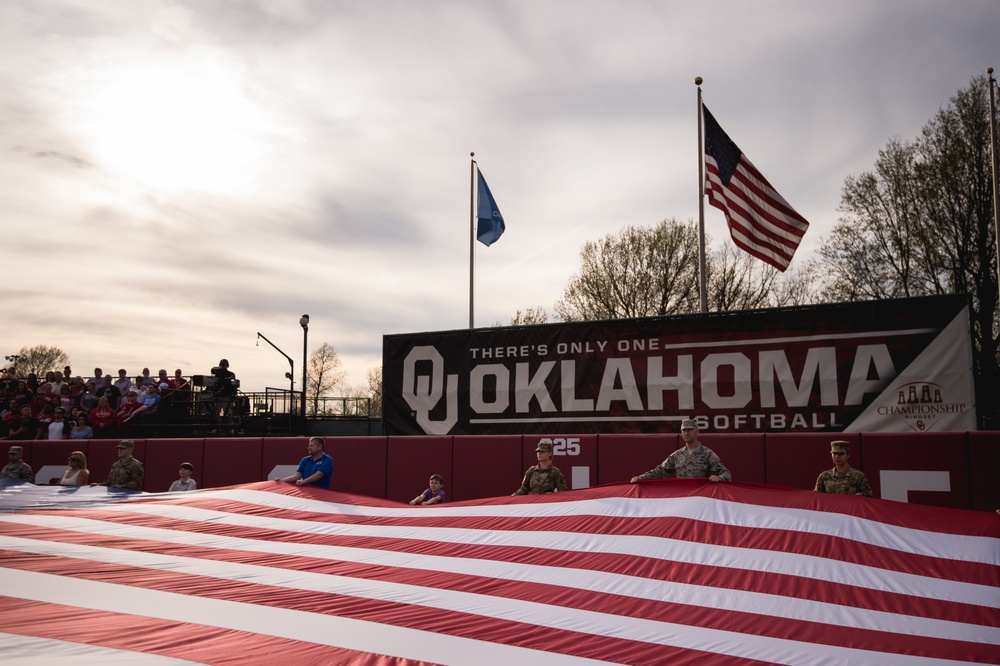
[179, 176]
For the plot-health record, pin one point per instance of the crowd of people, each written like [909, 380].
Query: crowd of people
[126, 473]
[693, 460]
[62, 406]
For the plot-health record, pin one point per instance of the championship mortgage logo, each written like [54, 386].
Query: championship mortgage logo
[921, 405]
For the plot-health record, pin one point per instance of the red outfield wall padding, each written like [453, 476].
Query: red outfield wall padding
[795, 460]
[412, 460]
[624, 456]
[163, 458]
[942, 469]
[359, 464]
[484, 466]
[233, 460]
[929, 468]
[984, 461]
[742, 454]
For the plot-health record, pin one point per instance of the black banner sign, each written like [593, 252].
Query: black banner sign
[884, 365]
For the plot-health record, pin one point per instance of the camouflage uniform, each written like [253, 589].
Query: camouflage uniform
[699, 463]
[538, 481]
[18, 470]
[126, 474]
[851, 482]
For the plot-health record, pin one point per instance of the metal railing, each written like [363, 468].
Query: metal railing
[198, 412]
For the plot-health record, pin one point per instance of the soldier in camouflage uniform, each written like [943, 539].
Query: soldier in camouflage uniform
[127, 472]
[843, 479]
[543, 477]
[17, 468]
[694, 461]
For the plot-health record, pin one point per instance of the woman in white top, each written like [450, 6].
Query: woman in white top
[185, 482]
[77, 474]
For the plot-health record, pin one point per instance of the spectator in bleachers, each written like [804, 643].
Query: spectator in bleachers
[111, 392]
[81, 430]
[25, 426]
[150, 403]
[22, 393]
[45, 418]
[178, 396]
[39, 401]
[77, 387]
[57, 381]
[89, 398]
[58, 427]
[178, 381]
[32, 381]
[123, 383]
[103, 419]
[45, 396]
[66, 400]
[139, 386]
[9, 380]
[146, 380]
[100, 379]
[162, 377]
[130, 407]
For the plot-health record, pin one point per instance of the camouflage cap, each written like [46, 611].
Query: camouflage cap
[17, 450]
[544, 446]
[840, 446]
[126, 444]
[689, 424]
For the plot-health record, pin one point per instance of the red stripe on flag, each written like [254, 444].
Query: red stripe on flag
[479, 627]
[181, 640]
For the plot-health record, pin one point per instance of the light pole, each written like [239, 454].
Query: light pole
[304, 323]
[290, 375]
[13, 358]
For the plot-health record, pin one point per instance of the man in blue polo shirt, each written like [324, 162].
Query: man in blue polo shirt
[316, 469]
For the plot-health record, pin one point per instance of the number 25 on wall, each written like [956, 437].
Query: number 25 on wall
[563, 446]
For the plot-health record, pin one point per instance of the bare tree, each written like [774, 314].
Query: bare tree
[738, 280]
[921, 222]
[323, 374]
[637, 272]
[528, 317]
[40, 359]
[375, 389]
[644, 272]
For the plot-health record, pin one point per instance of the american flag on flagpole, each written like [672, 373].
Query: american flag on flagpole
[760, 221]
[676, 571]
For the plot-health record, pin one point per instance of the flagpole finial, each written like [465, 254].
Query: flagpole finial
[698, 80]
[472, 154]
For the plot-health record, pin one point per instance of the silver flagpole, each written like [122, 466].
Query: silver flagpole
[993, 154]
[472, 235]
[702, 282]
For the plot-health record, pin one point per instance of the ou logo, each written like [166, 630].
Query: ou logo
[423, 392]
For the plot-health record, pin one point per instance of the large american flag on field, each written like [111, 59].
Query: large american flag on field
[674, 571]
[760, 221]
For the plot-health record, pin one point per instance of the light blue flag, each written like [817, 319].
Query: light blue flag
[489, 221]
